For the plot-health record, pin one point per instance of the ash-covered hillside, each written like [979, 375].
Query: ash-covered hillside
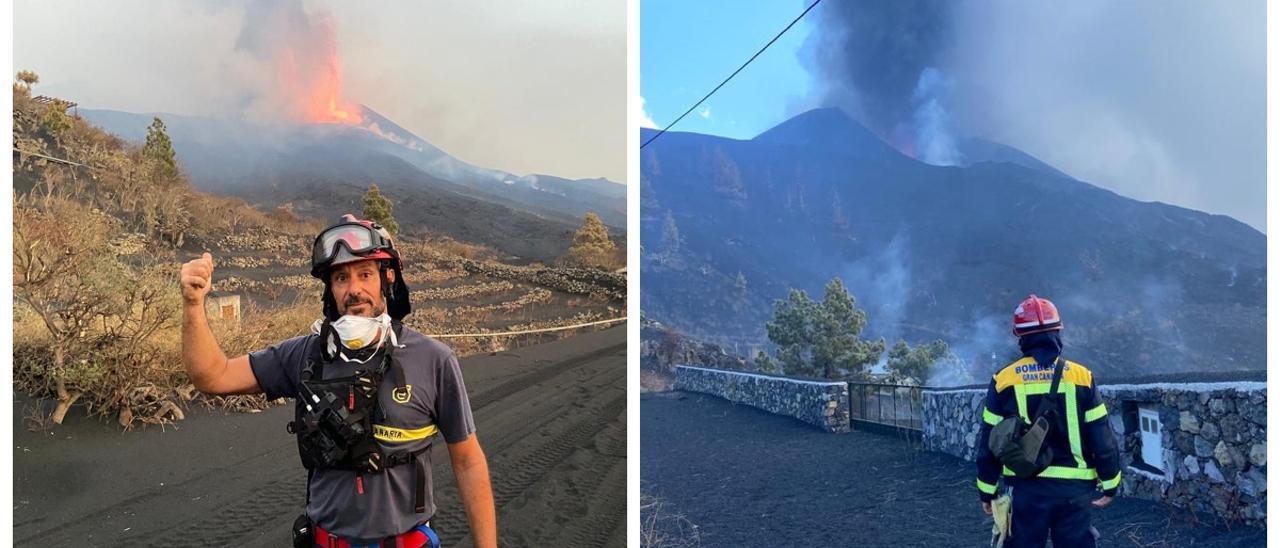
[318, 167]
[727, 226]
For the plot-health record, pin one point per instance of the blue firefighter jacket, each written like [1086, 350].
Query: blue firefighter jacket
[1084, 446]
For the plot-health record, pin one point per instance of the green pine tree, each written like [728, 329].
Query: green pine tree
[837, 343]
[158, 152]
[916, 363]
[818, 339]
[377, 208]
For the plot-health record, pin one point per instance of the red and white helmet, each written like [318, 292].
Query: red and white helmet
[348, 241]
[353, 239]
[1035, 315]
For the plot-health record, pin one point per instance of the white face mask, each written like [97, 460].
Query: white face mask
[356, 332]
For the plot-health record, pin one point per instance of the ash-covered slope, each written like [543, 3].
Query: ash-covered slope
[323, 169]
[941, 252]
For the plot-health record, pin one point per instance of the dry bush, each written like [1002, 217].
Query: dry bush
[662, 528]
[100, 316]
[653, 381]
[127, 365]
[438, 246]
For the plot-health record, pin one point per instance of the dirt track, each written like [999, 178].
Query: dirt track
[745, 477]
[552, 419]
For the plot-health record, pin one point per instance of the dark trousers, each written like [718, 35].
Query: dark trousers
[1036, 518]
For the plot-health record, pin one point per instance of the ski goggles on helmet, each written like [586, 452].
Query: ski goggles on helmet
[359, 239]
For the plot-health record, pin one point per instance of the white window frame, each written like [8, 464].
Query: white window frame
[1151, 444]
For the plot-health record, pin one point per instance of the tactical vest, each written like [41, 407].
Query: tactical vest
[335, 419]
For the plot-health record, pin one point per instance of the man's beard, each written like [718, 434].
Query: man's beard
[354, 300]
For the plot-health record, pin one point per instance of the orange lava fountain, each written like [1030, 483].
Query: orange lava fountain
[313, 79]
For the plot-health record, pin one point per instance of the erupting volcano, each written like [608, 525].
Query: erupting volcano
[298, 54]
[312, 80]
[323, 103]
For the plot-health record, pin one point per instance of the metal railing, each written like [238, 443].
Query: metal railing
[898, 406]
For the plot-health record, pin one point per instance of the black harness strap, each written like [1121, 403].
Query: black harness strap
[1052, 396]
[420, 478]
[313, 369]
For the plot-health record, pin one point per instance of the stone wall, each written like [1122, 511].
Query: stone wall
[822, 404]
[951, 421]
[1213, 441]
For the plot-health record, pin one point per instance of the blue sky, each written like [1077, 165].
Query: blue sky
[686, 48]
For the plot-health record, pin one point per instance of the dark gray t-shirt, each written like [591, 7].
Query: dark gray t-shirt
[436, 396]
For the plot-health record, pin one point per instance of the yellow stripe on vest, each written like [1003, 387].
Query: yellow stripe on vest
[1066, 472]
[1111, 483]
[398, 435]
[1095, 413]
[986, 487]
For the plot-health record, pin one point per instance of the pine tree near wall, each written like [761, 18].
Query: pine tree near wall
[377, 208]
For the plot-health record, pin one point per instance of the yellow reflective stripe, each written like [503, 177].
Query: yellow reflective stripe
[1020, 391]
[1111, 483]
[396, 435]
[986, 487]
[1039, 388]
[1073, 428]
[1064, 472]
[1095, 413]
[990, 418]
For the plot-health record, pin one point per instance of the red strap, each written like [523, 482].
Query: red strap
[324, 539]
[413, 538]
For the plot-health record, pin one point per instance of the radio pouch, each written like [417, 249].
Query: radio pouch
[1021, 447]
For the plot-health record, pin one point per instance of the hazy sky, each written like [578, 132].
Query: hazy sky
[526, 87]
[1162, 101]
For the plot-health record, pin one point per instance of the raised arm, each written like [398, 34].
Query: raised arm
[210, 370]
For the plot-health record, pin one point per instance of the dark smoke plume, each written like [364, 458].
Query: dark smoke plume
[878, 60]
[1157, 101]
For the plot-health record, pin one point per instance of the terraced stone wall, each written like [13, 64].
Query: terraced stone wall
[822, 404]
[1213, 441]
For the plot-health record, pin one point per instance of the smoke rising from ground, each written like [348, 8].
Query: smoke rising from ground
[1156, 101]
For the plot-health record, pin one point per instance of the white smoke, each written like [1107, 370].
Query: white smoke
[934, 134]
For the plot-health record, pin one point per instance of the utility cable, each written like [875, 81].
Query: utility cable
[58, 160]
[735, 73]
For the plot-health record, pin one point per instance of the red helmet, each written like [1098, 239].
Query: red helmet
[351, 240]
[1035, 315]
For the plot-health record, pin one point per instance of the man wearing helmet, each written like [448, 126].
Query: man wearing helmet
[371, 393]
[1072, 451]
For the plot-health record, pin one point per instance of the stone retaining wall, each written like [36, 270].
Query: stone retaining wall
[822, 404]
[1213, 440]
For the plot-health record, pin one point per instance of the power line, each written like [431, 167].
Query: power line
[735, 73]
[51, 158]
